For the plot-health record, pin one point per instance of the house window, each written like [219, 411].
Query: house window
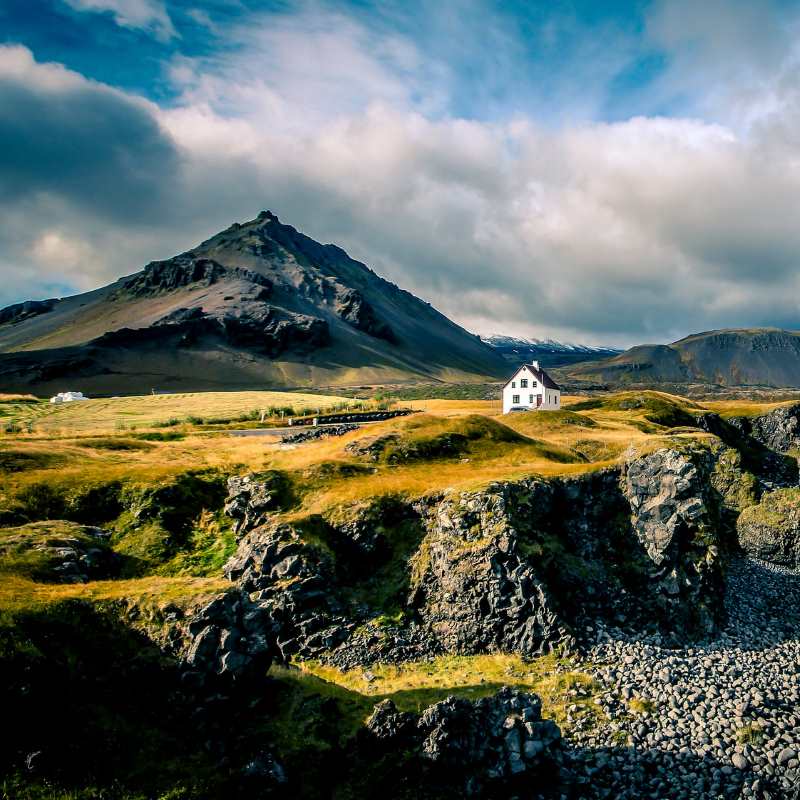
[513, 384]
[515, 399]
[523, 384]
[531, 399]
[533, 385]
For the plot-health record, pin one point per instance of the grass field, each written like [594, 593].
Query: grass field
[154, 411]
[95, 442]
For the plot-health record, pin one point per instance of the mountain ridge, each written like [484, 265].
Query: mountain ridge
[726, 357]
[258, 303]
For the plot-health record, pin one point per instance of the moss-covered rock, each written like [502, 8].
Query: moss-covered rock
[57, 552]
[771, 530]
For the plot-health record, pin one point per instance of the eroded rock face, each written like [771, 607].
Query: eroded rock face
[250, 500]
[679, 510]
[472, 587]
[351, 306]
[185, 270]
[294, 585]
[666, 501]
[770, 530]
[481, 745]
[22, 311]
[778, 429]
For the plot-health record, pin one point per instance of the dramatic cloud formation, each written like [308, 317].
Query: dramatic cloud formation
[148, 15]
[510, 214]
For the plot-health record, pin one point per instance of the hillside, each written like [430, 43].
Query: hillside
[726, 358]
[259, 304]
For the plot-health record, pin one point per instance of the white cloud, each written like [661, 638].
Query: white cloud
[643, 229]
[149, 15]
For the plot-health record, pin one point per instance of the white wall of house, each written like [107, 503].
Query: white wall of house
[524, 390]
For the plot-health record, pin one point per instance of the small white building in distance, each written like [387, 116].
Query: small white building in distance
[68, 397]
[530, 388]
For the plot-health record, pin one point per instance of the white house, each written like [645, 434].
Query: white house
[68, 397]
[530, 388]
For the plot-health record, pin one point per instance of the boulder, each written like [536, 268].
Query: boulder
[770, 530]
[251, 498]
[478, 746]
[229, 639]
[676, 516]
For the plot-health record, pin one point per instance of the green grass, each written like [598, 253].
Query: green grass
[28, 550]
[413, 686]
[750, 734]
[658, 408]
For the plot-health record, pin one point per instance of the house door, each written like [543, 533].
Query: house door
[538, 400]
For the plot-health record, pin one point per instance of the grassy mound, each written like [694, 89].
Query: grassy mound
[428, 438]
[34, 551]
[658, 408]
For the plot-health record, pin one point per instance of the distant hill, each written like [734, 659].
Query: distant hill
[727, 358]
[548, 352]
[257, 305]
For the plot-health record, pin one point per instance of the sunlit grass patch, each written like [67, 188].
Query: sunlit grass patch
[415, 685]
[22, 594]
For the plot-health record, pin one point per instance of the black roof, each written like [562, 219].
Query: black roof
[540, 376]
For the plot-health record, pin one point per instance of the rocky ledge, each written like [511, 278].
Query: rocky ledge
[474, 746]
[771, 529]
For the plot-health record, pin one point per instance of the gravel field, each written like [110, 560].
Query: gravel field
[718, 720]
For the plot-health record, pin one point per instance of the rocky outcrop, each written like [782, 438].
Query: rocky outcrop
[252, 497]
[59, 552]
[294, 584]
[770, 530]
[678, 524]
[521, 566]
[220, 643]
[18, 312]
[273, 330]
[252, 325]
[185, 270]
[351, 306]
[482, 745]
[471, 585]
[778, 429]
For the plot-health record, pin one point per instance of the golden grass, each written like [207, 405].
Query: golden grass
[554, 441]
[18, 594]
[744, 408]
[415, 685]
[108, 415]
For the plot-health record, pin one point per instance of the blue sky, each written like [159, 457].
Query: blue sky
[612, 172]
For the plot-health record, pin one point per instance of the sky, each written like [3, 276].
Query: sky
[599, 172]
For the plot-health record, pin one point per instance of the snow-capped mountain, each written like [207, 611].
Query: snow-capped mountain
[549, 352]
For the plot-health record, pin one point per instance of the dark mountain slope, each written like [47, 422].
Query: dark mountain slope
[734, 357]
[259, 304]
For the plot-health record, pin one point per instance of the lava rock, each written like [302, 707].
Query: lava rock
[771, 530]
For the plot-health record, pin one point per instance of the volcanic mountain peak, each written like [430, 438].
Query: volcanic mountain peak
[257, 304]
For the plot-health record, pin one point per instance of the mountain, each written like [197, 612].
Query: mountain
[732, 357]
[548, 352]
[257, 305]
